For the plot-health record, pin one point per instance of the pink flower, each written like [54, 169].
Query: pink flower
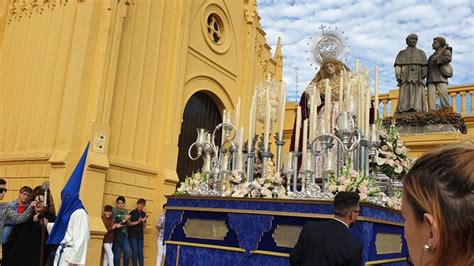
[354, 173]
[398, 151]
[363, 189]
[254, 193]
[363, 196]
[341, 180]
[341, 188]
[384, 147]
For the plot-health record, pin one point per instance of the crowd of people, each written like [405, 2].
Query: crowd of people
[125, 233]
[25, 231]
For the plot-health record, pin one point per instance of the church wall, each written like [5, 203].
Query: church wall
[20, 174]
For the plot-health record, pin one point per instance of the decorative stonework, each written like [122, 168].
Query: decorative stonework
[19, 9]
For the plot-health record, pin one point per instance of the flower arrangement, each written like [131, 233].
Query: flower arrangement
[392, 157]
[190, 184]
[419, 119]
[270, 186]
[351, 180]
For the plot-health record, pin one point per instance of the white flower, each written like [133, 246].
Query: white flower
[398, 169]
[332, 188]
[266, 193]
[380, 161]
[363, 189]
[398, 150]
[261, 181]
[341, 188]
[181, 188]
[363, 196]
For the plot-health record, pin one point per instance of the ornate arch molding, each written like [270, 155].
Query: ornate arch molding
[210, 86]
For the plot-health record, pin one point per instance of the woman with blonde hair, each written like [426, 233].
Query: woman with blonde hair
[438, 207]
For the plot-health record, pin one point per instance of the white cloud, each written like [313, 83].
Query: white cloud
[376, 32]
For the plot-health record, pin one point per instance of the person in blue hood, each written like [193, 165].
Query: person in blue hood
[71, 228]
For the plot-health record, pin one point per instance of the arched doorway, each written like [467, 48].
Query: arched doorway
[200, 112]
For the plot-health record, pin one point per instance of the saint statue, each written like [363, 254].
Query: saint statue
[411, 68]
[439, 70]
[330, 69]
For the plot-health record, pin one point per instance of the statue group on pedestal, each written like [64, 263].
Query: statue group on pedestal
[413, 71]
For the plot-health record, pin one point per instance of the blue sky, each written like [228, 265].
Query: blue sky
[375, 32]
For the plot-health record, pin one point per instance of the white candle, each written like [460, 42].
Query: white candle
[282, 111]
[311, 116]
[241, 139]
[251, 124]
[376, 93]
[240, 162]
[347, 97]
[289, 161]
[329, 163]
[309, 161]
[367, 108]
[267, 125]
[297, 131]
[374, 134]
[359, 106]
[305, 139]
[225, 162]
[327, 105]
[207, 163]
[341, 92]
[237, 115]
[224, 119]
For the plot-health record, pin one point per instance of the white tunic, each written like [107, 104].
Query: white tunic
[73, 248]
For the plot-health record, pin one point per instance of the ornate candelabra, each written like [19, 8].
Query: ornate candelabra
[216, 159]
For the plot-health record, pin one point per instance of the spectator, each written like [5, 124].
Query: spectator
[28, 239]
[160, 226]
[8, 213]
[121, 244]
[109, 236]
[19, 205]
[438, 207]
[330, 242]
[135, 232]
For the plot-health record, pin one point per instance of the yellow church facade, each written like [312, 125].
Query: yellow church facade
[118, 74]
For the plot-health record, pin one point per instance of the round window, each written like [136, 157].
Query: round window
[216, 28]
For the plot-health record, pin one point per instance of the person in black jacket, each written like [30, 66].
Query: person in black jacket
[330, 242]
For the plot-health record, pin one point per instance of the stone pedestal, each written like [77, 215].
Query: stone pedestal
[438, 128]
[420, 143]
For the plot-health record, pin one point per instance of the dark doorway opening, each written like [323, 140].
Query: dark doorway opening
[200, 112]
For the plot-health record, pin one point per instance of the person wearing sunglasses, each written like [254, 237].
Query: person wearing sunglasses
[8, 213]
[19, 205]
